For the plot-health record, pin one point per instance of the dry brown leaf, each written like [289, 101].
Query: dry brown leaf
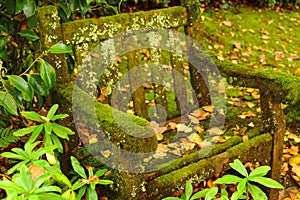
[199, 128]
[172, 125]
[145, 52]
[162, 148]
[93, 140]
[193, 119]
[215, 131]
[295, 161]
[176, 152]
[105, 153]
[208, 108]
[297, 72]
[237, 45]
[248, 114]
[159, 155]
[195, 138]
[183, 128]
[227, 23]
[205, 144]
[35, 171]
[185, 145]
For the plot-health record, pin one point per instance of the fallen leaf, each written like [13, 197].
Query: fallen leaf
[105, 153]
[281, 28]
[208, 108]
[35, 171]
[183, 128]
[159, 155]
[199, 129]
[237, 45]
[227, 23]
[195, 138]
[294, 161]
[93, 140]
[215, 131]
[193, 119]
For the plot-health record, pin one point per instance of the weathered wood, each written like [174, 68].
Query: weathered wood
[274, 123]
[135, 75]
[50, 34]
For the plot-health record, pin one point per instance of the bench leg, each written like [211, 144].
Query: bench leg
[274, 122]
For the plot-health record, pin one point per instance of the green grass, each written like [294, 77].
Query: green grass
[249, 26]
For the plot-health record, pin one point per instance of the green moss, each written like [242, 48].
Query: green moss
[258, 149]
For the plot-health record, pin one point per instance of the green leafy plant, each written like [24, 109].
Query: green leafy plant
[14, 88]
[87, 181]
[52, 131]
[244, 185]
[24, 187]
[28, 155]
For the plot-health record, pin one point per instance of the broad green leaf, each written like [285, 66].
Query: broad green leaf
[211, 193]
[47, 73]
[69, 194]
[238, 166]
[19, 6]
[65, 8]
[105, 182]
[29, 8]
[59, 116]
[3, 53]
[45, 189]
[242, 185]
[228, 179]
[60, 177]
[22, 85]
[29, 35]
[90, 171]
[25, 131]
[59, 48]
[260, 171]
[40, 163]
[257, 193]
[200, 194]
[52, 111]
[237, 195]
[77, 167]
[32, 116]
[224, 194]
[16, 167]
[51, 196]
[8, 102]
[20, 152]
[36, 132]
[3, 29]
[41, 179]
[25, 178]
[38, 84]
[100, 172]
[8, 185]
[268, 182]
[2, 42]
[91, 194]
[62, 131]
[57, 142]
[12, 155]
[81, 192]
[77, 185]
[48, 128]
[16, 94]
[188, 189]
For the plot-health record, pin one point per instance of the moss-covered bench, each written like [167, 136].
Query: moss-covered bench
[108, 131]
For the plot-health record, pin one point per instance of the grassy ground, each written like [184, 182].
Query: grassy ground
[258, 38]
